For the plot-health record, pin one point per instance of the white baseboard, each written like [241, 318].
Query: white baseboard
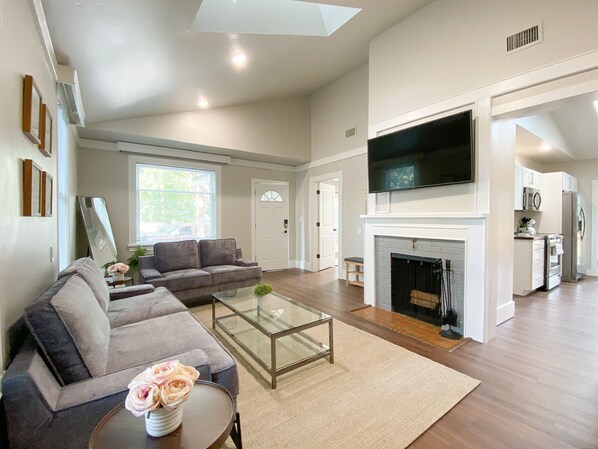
[301, 264]
[505, 312]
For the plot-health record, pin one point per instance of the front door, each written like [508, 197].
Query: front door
[326, 225]
[272, 226]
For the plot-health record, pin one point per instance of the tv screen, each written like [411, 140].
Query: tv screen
[434, 153]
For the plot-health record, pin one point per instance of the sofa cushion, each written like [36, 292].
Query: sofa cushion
[70, 329]
[218, 252]
[224, 274]
[139, 343]
[173, 256]
[143, 307]
[88, 270]
[183, 280]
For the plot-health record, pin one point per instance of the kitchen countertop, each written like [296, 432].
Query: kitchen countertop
[530, 237]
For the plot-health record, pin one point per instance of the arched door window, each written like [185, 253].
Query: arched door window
[271, 196]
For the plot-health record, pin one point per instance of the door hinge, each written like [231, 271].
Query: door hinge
[317, 256]
[318, 223]
[318, 192]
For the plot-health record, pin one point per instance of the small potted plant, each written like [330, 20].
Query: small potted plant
[262, 289]
[526, 226]
[133, 261]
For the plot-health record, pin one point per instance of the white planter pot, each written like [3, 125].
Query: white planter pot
[161, 422]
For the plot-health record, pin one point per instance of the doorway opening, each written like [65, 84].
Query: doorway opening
[326, 222]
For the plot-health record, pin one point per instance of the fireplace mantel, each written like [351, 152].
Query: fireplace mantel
[467, 227]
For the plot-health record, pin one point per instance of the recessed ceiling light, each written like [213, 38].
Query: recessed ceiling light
[546, 147]
[203, 103]
[239, 59]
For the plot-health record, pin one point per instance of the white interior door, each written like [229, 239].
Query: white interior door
[272, 225]
[326, 225]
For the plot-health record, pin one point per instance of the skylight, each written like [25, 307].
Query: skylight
[282, 17]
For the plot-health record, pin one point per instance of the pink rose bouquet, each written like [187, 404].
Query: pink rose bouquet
[164, 385]
[118, 267]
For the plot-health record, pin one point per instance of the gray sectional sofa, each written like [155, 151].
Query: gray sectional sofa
[193, 270]
[83, 349]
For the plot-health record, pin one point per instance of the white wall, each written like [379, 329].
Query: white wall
[336, 107]
[454, 46]
[25, 266]
[278, 128]
[105, 174]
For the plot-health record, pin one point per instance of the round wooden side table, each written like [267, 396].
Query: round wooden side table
[208, 419]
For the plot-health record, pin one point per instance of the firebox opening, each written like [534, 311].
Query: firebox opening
[416, 287]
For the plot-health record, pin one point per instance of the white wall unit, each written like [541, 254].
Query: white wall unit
[528, 267]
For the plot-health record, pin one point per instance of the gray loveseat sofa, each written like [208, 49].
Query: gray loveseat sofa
[193, 270]
[83, 349]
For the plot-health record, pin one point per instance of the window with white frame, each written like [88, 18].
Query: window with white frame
[174, 203]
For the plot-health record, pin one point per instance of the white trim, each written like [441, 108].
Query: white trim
[331, 159]
[300, 264]
[97, 145]
[505, 312]
[262, 165]
[133, 160]
[254, 183]
[312, 214]
[46, 41]
[593, 271]
[171, 153]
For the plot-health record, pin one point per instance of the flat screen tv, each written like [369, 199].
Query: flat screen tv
[435, 153]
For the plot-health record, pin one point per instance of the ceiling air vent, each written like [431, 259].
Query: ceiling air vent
[525, 38]
[350, 132]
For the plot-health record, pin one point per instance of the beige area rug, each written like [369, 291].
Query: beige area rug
[375, 395]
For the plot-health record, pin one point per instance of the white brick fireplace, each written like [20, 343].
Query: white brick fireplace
[466, 228]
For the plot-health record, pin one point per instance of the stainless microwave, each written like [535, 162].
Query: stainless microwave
[532, 200]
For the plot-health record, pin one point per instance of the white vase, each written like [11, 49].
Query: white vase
[119, 276]
[161, 422]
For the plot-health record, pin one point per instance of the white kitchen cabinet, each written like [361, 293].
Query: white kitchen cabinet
[569, 183]
[532, 178]
[552, 201]
[528, 266]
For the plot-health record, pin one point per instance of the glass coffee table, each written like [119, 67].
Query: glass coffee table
[270, 329]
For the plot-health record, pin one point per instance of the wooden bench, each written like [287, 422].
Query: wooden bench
[354, 266]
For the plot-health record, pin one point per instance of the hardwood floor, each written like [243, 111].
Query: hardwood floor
[539, 375]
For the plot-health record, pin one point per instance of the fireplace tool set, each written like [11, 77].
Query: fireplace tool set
[448, 314]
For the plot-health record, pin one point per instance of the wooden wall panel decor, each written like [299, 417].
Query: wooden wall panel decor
[32, 110]
[32, 177]
[45, 146]
[47, 185]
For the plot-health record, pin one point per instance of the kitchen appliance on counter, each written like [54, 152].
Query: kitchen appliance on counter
[532, 200]
[574, 229]
[553, 262]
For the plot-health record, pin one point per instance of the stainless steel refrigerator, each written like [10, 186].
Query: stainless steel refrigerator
[574, 229]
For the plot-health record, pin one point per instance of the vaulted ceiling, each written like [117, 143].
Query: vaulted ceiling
[139, 58]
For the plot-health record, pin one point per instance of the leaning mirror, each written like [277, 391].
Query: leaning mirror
[97, 227]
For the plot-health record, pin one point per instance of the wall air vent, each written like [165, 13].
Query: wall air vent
[350, 132]
[524, 39]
